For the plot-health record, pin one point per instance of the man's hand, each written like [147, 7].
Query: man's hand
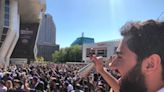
[98, 63]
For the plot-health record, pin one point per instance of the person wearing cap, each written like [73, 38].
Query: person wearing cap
[139, 58]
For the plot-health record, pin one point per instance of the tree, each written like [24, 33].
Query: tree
[55, 56]
[76, 53]
[69, 54]
[40, 59]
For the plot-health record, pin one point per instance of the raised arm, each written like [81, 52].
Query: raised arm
[112, 82]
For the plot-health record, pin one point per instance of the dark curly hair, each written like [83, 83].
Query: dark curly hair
[145, 38]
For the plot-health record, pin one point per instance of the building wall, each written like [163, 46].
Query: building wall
[26, 42]
[1, 17]
[107, 49]
[15, 17]
[31, 12]
[46, 40]
[47, 33]
[31, 9]
[46, 51]
[10, 31]
[10, 14]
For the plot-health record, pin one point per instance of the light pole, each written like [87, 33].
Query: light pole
[160, 15]
[82, 42]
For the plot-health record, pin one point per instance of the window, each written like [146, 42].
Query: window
[7, 16]
[6, 22]
[89, 51]
[0, 44]
[7, 9]
[5, 30]
[102, 53]
[7, 13]
[3, 37]
[7, 2]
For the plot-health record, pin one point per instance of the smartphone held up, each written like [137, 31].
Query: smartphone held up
[85, 71]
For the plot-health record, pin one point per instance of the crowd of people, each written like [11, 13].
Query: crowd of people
[49, 78]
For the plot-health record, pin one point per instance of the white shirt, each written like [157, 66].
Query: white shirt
[161, 90]
[3, 89]
[69, 88]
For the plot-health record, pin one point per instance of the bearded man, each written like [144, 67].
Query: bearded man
[139, 59]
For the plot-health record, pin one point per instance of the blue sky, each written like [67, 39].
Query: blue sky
[99, 19]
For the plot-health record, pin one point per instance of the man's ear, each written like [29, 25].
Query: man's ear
[151, 63]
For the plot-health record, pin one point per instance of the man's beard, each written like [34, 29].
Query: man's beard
[133, 81]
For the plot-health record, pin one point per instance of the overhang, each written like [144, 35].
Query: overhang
[30, 10]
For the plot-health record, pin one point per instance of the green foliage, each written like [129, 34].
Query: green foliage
[40, 59]
[69, 54]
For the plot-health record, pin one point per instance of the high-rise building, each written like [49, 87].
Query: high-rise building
[19, 23]
[83, 40]
[46, 40]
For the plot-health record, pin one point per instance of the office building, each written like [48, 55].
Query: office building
[19, 23]
[46, 40]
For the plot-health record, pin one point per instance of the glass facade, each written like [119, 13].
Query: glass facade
[83, 40]
[6, 20]
[7, 13]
